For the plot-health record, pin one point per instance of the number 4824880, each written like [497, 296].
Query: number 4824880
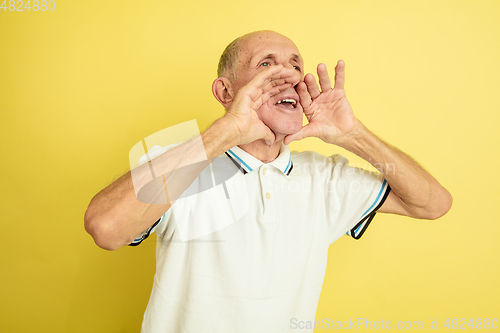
[19, 6]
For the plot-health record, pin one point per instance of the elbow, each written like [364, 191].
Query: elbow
[102, 230]
[442, 206]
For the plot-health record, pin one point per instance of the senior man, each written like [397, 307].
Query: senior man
[263, 271]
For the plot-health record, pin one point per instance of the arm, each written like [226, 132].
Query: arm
[415, 192]
[115, 216]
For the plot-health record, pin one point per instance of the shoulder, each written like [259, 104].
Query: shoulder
[314, 158]
[320, 167]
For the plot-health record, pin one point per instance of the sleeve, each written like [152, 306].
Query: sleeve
[359, 229]
[354, 196]
[138, 240]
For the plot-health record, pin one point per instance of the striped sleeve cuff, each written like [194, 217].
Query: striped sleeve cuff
[146, 233]
[359, 229]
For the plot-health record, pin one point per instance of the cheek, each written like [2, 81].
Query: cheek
[295, 123]
[263, 111]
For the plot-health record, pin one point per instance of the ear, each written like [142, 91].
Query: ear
[222, 88]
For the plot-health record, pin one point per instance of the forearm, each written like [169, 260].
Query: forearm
[420, 193]
[121, 211]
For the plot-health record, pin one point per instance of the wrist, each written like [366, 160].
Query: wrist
[219, 137]
[352, 140]
[365, 144]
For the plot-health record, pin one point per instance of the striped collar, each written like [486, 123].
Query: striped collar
[247, 163]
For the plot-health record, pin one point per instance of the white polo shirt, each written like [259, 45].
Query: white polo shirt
[249, 253]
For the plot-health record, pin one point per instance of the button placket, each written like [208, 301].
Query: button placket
[267, 194]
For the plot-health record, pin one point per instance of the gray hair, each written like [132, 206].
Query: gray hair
[227, 61]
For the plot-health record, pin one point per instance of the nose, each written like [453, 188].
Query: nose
[295, 75]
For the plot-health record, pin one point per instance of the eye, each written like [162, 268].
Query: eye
[297, 68]
[265, 64]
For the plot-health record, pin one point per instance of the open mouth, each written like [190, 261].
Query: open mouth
[287, 103]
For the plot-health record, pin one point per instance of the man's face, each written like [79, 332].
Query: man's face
[282, 113]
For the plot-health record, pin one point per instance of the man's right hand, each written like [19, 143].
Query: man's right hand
[242, 113]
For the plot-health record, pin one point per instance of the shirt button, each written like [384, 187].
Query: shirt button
[268, 195]
[264, 171]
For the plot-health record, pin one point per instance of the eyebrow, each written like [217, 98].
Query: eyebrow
[296, 57]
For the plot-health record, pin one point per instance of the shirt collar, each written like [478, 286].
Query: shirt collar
[247, 163]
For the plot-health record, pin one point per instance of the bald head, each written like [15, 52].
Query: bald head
[228, 62]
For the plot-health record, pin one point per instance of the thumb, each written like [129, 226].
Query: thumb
[304, 132]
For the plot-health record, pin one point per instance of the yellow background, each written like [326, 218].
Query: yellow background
[81, 85]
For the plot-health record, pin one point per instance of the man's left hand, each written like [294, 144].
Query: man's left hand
[329, 113]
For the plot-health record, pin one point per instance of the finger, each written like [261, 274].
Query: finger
[281, 74]
[290, 75]
[277, 89]
[268, 85]
[276, 82]
[266, 76]
[324, 79]
[305, 98]
[286, 72]
[339, 75]
[283, 79]
[263, 96]
[269, 82]
[304, 132]
[312, 87]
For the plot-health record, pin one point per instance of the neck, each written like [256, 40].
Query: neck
[261, 151]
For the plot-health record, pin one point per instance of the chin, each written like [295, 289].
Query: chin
[281, 121]
[286, 128]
